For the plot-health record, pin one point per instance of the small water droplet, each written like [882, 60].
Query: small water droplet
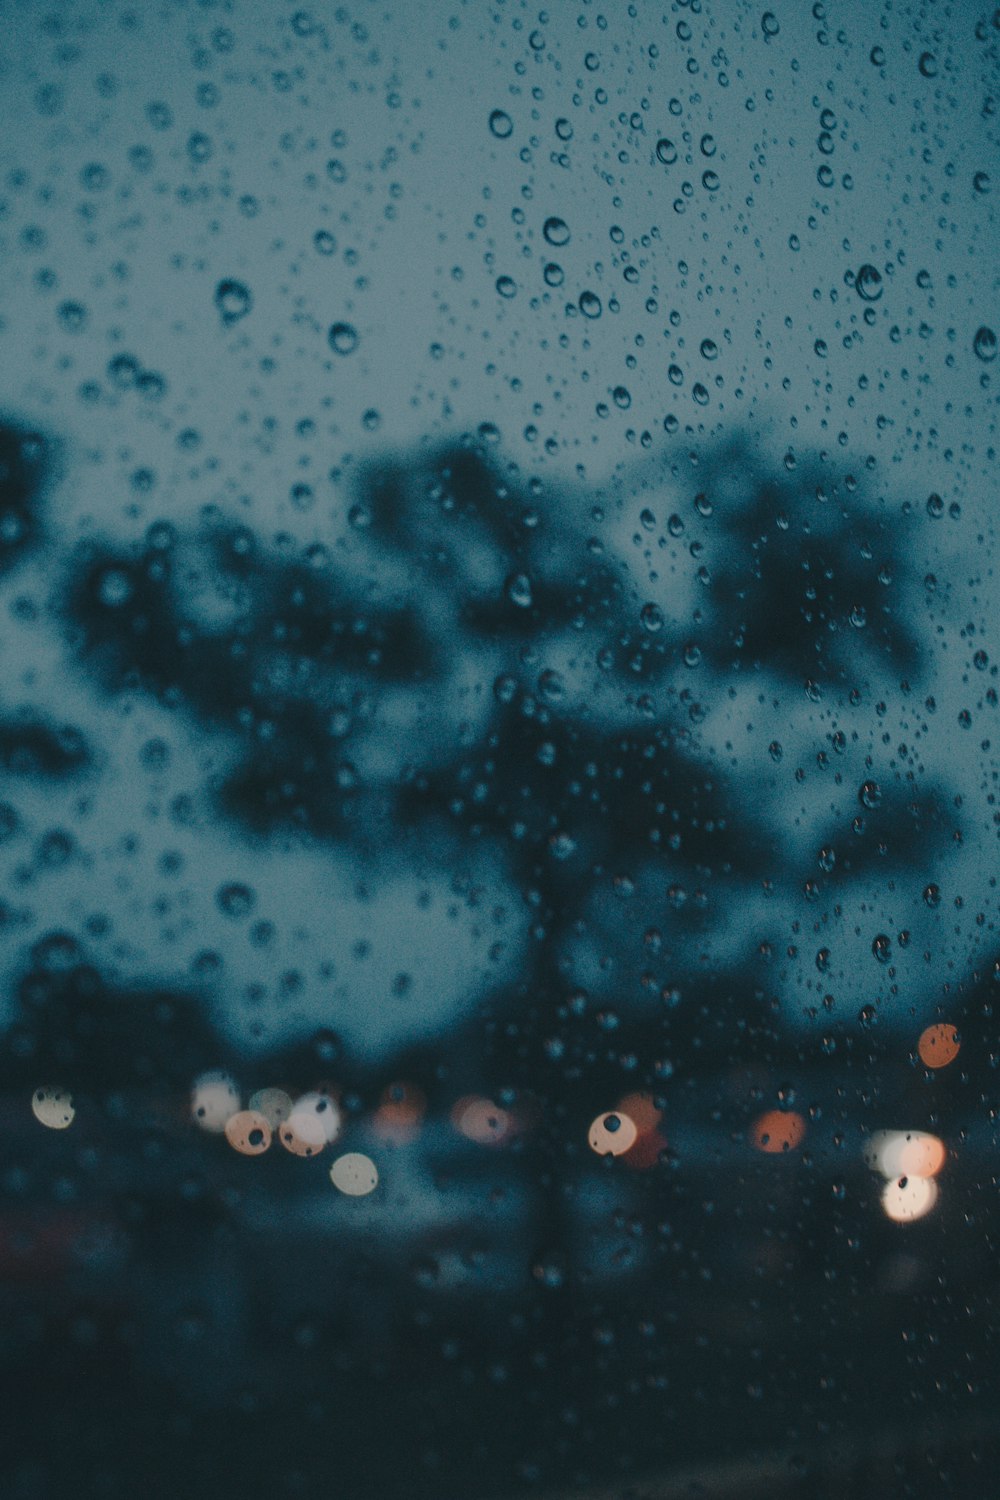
[984, 345]
[882, 948]
[233, 300]
[343, 338]
[235, 900]
[518, 589]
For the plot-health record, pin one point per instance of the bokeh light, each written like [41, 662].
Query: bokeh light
[905, 1199]
[938, 1046]
[214, 1097]
[354, 1174]
[482, 1121]
[314, 1122]
[612, 1134]
[778, 1131]
[274, 1104]
[53, 1107]
[400, 1111]
[650, 1142]
[248, 1132]
[906, 1153]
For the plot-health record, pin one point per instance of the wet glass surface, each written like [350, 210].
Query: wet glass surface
[498, 819]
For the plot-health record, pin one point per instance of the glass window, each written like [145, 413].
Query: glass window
[498, 810]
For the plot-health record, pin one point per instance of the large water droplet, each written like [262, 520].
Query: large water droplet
[556, 231]
[869, 283]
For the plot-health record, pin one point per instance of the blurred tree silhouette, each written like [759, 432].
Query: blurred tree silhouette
[483, 667]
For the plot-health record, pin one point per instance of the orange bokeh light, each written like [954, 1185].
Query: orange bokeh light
[641, 1111]
[400, 1111]
[938, 1046]
[248, 1132]
[482, 1121]
[922, 1156]
[646, 1150]
[776, 1131]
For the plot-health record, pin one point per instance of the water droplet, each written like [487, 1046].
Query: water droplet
[932, 894]
[984, 345]
[868, 283]
[666, 151]
[556, 231]
[501, 124]
[518, 590]
[590, 304]
[928, 64]
[769, 23]
[506, 286]
[343, 338]
[235, 900]
[233, 300]
[651, 616]
[72, 316]
[870, 794]
[115, 588]
[882, 947]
